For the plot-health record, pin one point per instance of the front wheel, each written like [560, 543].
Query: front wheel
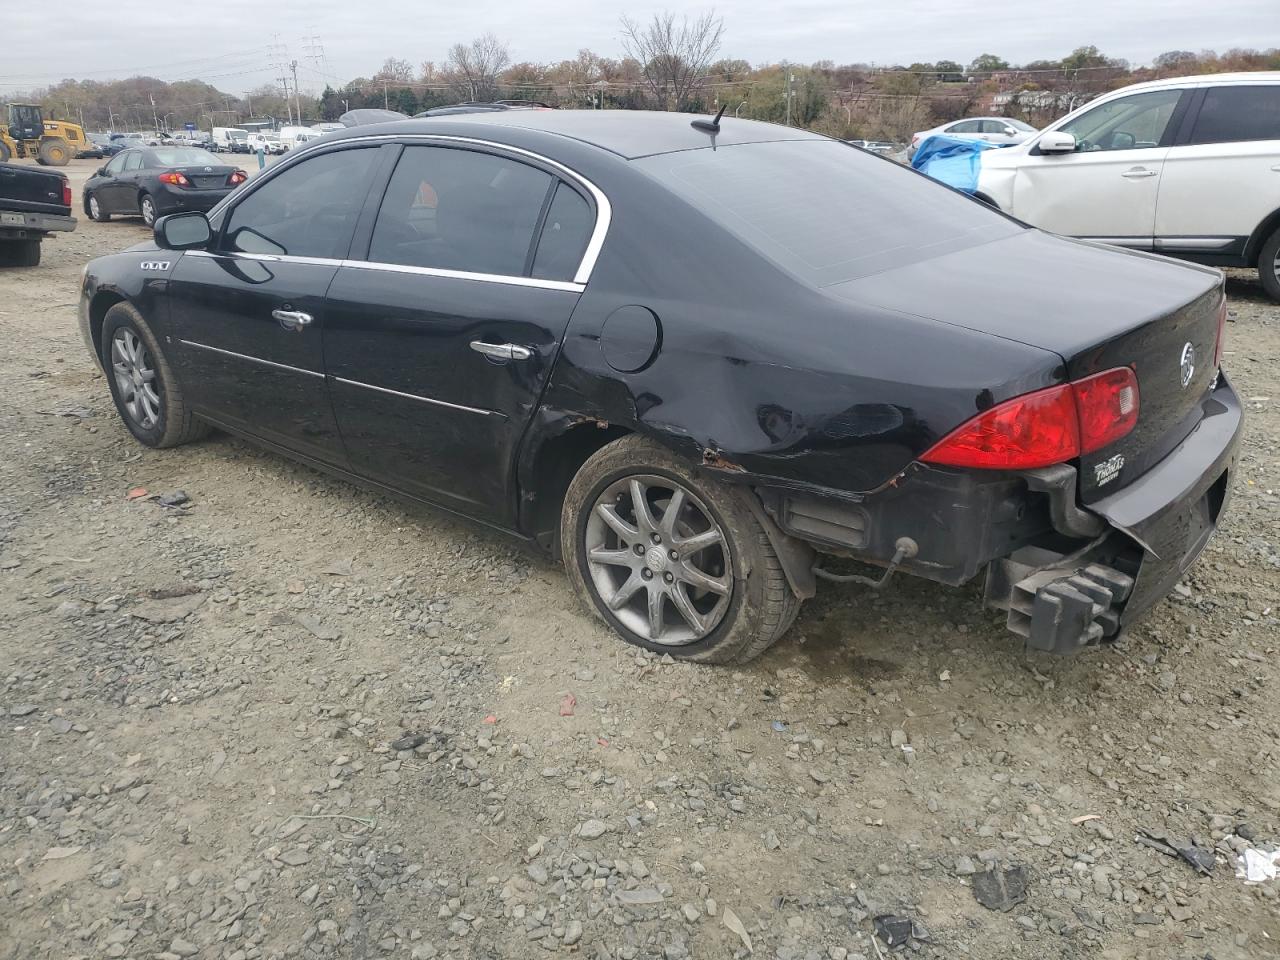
[1269, 266]
[147, 207]
[94, 208]
[146, 393]
[673, 562]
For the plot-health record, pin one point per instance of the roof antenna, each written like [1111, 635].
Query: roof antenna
[710, 126]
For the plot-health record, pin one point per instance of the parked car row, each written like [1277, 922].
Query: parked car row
[566, 324]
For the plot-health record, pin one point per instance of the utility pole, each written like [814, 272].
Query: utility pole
[386, 99]
[297, 96]
[154, 119]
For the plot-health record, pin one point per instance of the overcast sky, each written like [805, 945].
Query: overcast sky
[227, 41]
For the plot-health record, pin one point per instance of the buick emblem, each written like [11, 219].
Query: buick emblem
[1188, 363]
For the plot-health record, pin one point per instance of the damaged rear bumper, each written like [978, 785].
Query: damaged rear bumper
[1157, 527]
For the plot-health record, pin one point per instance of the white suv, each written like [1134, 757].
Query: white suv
[1188, 167]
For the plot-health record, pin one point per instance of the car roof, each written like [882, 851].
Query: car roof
[627, 133]
[1205, 79]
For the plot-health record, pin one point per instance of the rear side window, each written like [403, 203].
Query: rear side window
[309, 210]
[824, 211]
[564, 236]
[453, 209]
[1233, 114]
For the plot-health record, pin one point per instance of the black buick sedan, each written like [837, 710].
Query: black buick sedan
[695, 360]
[149, 182]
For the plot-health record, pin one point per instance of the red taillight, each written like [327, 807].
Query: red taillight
[1045, 427]
[238, 177]
[1030, 431]
[66, 193]
[175, 178]
[1222, 333]
[1107, 404]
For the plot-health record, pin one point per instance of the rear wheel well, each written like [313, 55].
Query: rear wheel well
[556, 463]
[1260, 236]
[102, 301]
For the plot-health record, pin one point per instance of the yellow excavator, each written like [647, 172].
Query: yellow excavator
[29, 134]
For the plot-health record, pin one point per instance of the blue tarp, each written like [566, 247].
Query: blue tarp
[952, 160]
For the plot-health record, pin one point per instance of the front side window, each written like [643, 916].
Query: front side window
[117, 163]
[308, 210]
[995, 126]
[1235, 114]
[966, 126]
[133, 161]
[1129, 123]
[453, 209]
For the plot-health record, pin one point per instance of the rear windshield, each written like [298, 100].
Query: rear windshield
[825, 211]
[179, 156]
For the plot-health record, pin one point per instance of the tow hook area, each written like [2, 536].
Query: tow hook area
[1058, 606]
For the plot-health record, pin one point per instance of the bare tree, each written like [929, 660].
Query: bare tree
[395, 71]
[674, 55]
[474, 66]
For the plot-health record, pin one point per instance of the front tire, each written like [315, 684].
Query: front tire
[673, 562]
[146, 393]
[55, 152]
[1269, 266]
[147, 207]
[93, 208]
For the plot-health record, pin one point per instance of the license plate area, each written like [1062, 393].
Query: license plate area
[13, 219]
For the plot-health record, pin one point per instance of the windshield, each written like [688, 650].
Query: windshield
[182, 156]
[823, 211]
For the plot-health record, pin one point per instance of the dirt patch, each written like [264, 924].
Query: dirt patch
[204, 700]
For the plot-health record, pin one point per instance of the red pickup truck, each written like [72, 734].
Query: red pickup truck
[34, 202]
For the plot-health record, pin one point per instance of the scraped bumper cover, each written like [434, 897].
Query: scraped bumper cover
[1160, 523]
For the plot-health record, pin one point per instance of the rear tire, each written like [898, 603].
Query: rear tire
[158, 417]
[147, 207]
[1269, 266]
[19, 253]
[55, 152]
[760, 605]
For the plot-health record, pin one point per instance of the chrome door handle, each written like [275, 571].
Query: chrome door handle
[1138, 172]
[502, 351]
[292, 319]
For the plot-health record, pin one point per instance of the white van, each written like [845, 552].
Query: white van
[292, 137]
[1188, 167]
[231, 140]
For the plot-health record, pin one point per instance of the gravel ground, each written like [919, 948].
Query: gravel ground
[290, 718]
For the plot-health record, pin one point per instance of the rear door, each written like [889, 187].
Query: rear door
[248, 315]
[1222, 177]
[440, 339]
[1107, 188]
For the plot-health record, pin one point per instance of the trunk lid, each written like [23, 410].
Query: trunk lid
[31, 190]
[1097, 308]
[207, 178]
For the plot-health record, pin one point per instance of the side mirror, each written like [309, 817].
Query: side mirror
[1009, 131]
[183, 231]
[1057, 142]
[102, 172]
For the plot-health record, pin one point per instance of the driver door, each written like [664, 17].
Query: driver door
[1107, 188]
[248, 315]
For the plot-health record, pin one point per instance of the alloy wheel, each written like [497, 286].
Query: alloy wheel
[1275, 266]
[148, 209]
[658, 559]
[135, 376]
[95, 209]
